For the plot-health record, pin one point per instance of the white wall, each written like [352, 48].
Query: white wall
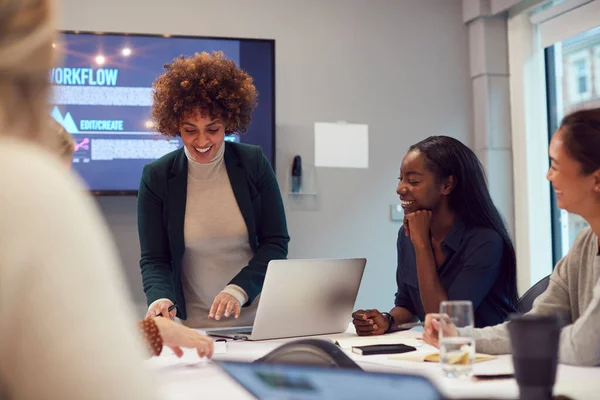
[401, 66]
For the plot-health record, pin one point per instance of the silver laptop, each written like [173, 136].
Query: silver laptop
[302, 298]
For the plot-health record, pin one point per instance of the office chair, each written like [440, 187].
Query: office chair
[526, 301]
[311, 352]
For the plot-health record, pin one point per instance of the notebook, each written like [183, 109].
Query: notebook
[435, 357]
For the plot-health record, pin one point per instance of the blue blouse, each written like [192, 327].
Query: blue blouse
[473, 270]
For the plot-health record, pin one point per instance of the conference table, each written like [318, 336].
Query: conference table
[190, 377]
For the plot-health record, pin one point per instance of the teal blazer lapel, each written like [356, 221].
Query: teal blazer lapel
[177, 195]
[239, 184]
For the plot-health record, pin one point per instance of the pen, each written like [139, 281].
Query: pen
[170, 309]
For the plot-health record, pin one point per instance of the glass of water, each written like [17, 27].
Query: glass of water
[457, 348]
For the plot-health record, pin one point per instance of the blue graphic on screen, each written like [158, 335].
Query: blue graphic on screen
[66, 121]
[102, 96]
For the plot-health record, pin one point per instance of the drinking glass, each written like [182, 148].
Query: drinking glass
[457, 347]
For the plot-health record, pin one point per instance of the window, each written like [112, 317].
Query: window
[578, 87]
[582, 77]
[578, 84]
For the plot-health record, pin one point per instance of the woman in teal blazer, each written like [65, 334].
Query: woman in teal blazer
[196, 202]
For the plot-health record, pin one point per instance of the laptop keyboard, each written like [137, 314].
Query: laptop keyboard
[235, 331]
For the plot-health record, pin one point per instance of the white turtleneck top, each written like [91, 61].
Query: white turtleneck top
[216, 243]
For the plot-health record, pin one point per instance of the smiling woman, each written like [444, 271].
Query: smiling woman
[573, 293]
[574, 158]
[453, 245]
[210, 215]
[202, 137]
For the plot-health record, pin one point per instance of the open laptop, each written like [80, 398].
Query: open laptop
[277, 381]
[302, 298]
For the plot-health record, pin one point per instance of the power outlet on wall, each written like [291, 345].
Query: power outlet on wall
[396, 212]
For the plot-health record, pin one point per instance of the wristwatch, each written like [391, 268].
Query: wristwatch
[391, 321]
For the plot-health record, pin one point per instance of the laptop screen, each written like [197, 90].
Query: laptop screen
[270, 381]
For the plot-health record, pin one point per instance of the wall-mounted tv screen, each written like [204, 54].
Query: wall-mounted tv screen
[102, 95]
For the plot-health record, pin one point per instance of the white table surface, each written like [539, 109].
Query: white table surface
[193, 378]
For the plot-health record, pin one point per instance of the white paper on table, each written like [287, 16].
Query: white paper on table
[169, 363]
[220, 347]
[190, 359]
[341, 145]
[347, 342]
[501, 365]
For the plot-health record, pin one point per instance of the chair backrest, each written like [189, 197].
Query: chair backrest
[312, 352]
[526, 301]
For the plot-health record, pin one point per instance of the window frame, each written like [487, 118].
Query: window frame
[596, 69]
[554, 116]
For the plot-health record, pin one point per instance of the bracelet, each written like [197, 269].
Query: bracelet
[391, 321]
[151, 336]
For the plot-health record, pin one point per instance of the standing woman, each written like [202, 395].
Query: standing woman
[210, 215]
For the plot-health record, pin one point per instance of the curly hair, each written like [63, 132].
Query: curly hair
[209, 83]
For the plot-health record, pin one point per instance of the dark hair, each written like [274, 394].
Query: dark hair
[581, 134]
[470, 197]
[209, 82]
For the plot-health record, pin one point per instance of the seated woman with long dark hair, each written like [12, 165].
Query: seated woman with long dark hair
[453, 244]
[573, 294]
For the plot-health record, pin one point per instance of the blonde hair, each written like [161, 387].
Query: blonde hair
[64, 144]
[26, 57]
